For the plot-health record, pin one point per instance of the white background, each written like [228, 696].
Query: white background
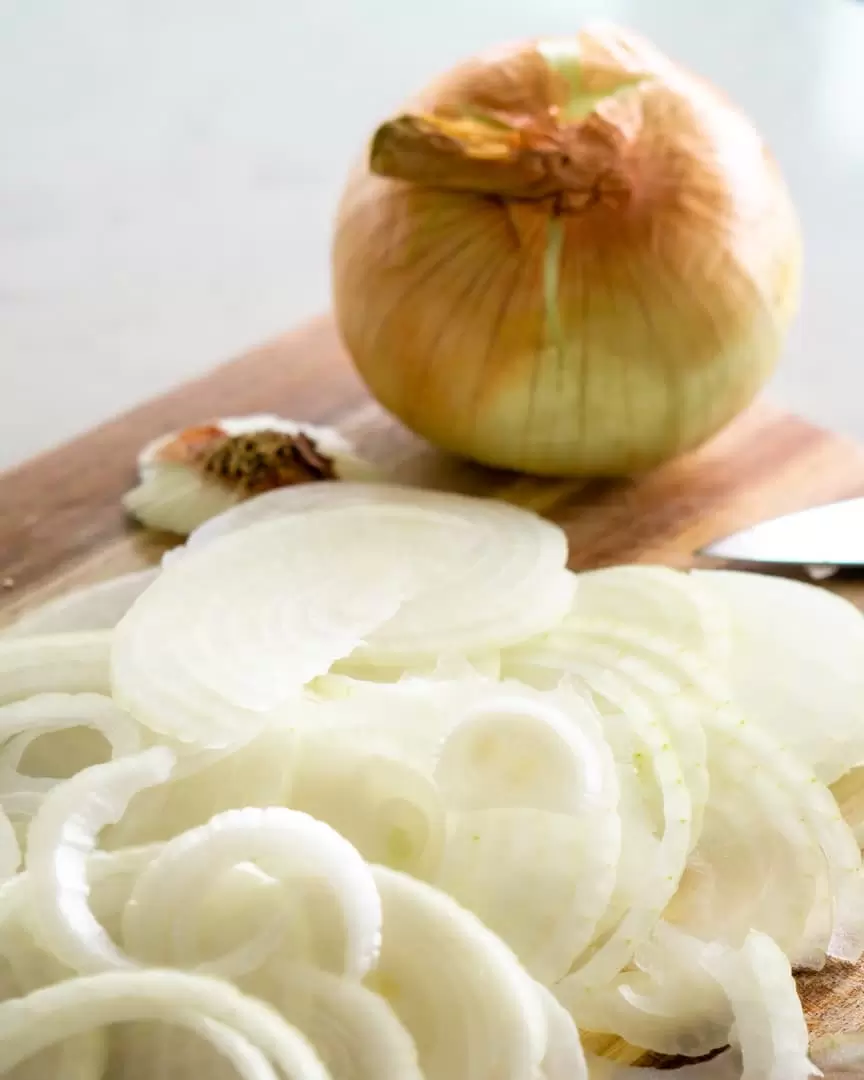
[169, 168]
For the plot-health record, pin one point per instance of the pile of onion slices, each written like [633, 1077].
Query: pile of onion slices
[363, 784]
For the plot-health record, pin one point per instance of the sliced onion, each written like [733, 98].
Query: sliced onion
[61, 838]
[203, 1047]
[408, 719]
[28, 966]
[385, 806]
[496, 579]
[672, 605]
[598, 643]
[642, 735]
[46, 1016]
[10, 852]
[54, 736]
[449, 665]
[796, 801]
[539, 880]
[666, 1002]
[93, 607]
[770, 1029]
[797, 658]
[522, 749]
[258, 773]
[564, 1058]
[797, 810]
[81, 1057]
[470, 1008]
[756, 864]
[354, 1031]
[226, 636]
[70, 663]
[112, 876]
[287, 845]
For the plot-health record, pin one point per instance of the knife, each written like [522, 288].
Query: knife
[830, 536]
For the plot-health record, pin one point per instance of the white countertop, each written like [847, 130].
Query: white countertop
[168, 171]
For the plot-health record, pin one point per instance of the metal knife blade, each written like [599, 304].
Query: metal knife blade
[830, 535]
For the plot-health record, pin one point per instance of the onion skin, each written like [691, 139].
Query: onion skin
[568, 258]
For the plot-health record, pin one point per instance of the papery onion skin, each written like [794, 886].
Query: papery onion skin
[539, 286]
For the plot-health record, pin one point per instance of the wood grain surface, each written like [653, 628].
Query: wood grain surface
[61, 523]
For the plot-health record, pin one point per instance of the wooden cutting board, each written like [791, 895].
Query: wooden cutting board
[61, 523]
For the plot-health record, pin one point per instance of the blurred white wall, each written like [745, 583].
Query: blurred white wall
[168, 171]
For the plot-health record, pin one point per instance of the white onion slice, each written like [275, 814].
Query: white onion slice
[470, 1008]
[353, 1030]
[70, 663]
[661, 601]
[598, 643]
[27, 965]
[93, 607]
[770, 1029]
[303, 498]
[46, 1016]
[799, 802]
[564, 1058]
[226, 636]
[797, 658]
[539, 880]
[112, 876]
[56, 735]
[756, 865]
[519, 748]
[202, 785]
[10, 852]
[496, 580]
[81, 1057]
[198, 662]
[640, 726]
[203, 1047]
[796, 809]
[769, 1032]
[665, 1002]
[61, 838]
[287, 845]
[383, 804]
[408, 719]
[448, 666]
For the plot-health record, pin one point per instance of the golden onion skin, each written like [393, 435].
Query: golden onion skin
[567, 297]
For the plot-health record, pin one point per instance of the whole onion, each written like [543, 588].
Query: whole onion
[568, 257]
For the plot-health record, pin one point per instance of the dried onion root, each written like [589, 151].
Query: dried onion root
[190, 476]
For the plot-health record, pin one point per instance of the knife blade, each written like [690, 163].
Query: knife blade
[830, 536]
